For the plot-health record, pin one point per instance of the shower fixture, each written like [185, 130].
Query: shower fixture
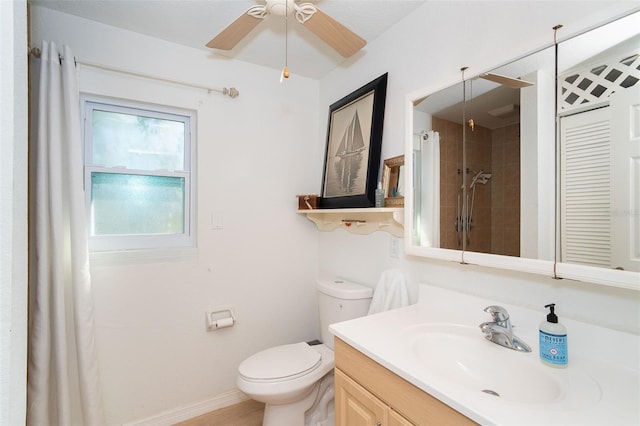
[480, 177]
[466, 198]
[424, 135]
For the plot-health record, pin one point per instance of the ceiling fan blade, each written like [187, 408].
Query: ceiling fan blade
[514, 83]
[336, 35]
[235, 32]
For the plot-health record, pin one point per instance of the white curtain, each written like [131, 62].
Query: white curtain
[63, 385]
[430, 185]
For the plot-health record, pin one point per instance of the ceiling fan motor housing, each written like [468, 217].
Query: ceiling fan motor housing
[279, 7]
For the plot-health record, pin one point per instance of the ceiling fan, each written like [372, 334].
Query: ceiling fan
[336, 35]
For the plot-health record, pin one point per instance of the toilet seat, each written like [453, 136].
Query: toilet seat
[280, 363]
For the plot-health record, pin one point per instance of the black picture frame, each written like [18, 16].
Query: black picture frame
[354, 142]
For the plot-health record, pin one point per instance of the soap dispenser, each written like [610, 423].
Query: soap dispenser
[553, 340]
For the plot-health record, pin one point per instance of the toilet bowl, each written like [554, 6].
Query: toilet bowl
[286, 378]
[295, 381]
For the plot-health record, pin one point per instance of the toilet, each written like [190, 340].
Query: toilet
[295, 381]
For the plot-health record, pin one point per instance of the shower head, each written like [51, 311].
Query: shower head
[484, 178]
[480, 177]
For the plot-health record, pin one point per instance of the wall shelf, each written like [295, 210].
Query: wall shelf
[359, 221]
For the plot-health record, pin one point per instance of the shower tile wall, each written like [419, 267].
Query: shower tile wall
[505, 200]
[496, 208]
[479, 158]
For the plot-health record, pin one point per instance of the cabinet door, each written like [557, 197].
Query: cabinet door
[355, 406]
[396, 419]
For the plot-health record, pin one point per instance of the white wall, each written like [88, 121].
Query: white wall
[13, 212]
[537, 200]
[441, 37]
[253, 156]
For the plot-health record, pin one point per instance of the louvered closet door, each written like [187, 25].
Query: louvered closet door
[586, 188]
[625, 178]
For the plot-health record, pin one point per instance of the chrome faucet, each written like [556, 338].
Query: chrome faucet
[499, 330]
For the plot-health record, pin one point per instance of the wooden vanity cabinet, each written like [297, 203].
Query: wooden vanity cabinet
[396, 419]
[355, 405]
[369, 394]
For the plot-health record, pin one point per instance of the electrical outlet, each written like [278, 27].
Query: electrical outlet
[394, 247]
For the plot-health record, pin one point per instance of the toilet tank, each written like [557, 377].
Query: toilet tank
[340, 300]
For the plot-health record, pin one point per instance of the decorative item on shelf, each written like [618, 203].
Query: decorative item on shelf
[308, 202]
[354, 142]
[357, 222]
[393, 181]
[379, 195]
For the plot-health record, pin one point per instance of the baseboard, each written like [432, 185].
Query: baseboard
[181, 414]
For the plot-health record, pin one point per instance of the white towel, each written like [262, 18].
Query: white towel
[391, 292]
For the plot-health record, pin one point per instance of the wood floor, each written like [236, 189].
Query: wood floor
[247, 413]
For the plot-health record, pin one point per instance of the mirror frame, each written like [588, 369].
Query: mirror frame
[550, 268]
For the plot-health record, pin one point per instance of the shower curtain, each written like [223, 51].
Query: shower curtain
[63, 386]
[431, 189]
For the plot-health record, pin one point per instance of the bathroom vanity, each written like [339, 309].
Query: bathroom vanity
[368, 393]
[429, 363]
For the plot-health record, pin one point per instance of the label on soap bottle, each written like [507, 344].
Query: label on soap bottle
[553, 348]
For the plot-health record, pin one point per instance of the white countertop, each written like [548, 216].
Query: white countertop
[603, 365]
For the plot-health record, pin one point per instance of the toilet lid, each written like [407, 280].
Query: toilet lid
[280, 362]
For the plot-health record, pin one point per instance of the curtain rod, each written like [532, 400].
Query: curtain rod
[232, 92]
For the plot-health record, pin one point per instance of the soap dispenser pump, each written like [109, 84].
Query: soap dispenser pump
[553, 340]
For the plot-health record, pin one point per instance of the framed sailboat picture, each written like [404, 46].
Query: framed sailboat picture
[354, 142]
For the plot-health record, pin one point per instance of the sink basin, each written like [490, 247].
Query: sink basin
[459, 356]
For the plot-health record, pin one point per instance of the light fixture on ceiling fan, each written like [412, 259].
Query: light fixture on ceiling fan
[285, 70]
[336, 35]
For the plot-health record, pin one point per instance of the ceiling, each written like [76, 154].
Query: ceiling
[194, 22]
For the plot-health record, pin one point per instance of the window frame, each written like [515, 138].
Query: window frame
[105, 243]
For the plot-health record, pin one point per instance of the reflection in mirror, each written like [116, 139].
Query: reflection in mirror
[393, 181]
[599, 144]
[502, 200]
[437, 155]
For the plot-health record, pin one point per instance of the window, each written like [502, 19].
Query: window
[139, 175]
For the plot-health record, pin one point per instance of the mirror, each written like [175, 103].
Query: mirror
[436, 156]
[393, 181]
[599, 149]
[496, 195]
[484, 158]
